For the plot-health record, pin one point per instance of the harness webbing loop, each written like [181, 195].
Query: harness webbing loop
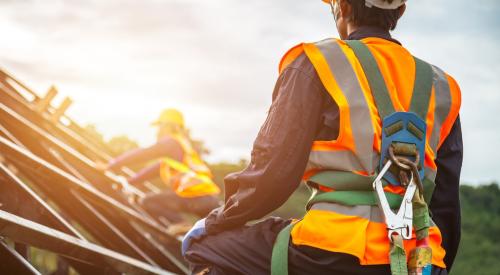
[397, 256]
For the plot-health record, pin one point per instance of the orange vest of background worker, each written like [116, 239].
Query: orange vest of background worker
[190, 177]
[351, 99]
[191, 188]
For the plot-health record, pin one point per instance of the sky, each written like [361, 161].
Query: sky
[123, 61]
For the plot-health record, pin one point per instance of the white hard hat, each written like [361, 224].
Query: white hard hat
[384, 4]
[381, 4]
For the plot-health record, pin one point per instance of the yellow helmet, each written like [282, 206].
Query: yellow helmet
[170, 116]
[381, 4]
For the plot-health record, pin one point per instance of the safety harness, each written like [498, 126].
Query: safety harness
[401, 164]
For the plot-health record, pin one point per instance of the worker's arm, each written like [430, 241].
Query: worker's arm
[445, 203]
[280, 152]
[149, 173]
[165, 147]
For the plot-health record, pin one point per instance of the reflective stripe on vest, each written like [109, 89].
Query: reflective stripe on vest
[353, 230]
[355, 120]
[443, 103]
[191, 178]
[368, 212]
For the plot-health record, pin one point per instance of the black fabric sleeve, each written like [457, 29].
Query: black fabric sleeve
[280, 152]
[445, 202]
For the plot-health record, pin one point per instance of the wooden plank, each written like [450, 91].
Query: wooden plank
[42, 105]
[13, 263]
[61, 110]
[26, 231]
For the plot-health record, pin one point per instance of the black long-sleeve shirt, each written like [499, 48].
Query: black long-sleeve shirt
[302, 111]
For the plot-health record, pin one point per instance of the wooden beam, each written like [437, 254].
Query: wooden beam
[44, 103]
[26, 231]
[61, 110]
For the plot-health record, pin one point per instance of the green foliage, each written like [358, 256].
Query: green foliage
[198, 144]
[44, 261]
[480, 243]
[116, 145]
[47, 262]
[93, 133]
[120, 144]
[295, 206]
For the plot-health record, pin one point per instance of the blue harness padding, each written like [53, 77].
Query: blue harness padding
[403, 127]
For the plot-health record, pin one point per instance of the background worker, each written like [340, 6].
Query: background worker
[322, 108]
[179, 166]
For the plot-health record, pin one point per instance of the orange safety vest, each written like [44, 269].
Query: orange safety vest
[360, 230]
[191, 177]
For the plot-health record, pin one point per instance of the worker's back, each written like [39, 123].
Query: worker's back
[360, 229]
[397, 67]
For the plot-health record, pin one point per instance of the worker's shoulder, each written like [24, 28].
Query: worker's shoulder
[442, 75]
[168, 142]
[445, 86]
[296, 58]
[301, 64]
[452, 82]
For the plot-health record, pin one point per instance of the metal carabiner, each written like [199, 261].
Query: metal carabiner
[402, 222]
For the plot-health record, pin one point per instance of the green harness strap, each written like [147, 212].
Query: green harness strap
[348, 185]
[422, 89]
[352, 189]
[279, 258]
[420, 105]
[342, 181]
[353, 198]
[374, 77]
[397, 256]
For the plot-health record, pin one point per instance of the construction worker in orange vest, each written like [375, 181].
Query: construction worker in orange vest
[375, 133]
[179, 166]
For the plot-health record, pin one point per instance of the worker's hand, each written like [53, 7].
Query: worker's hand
[101, 166]
[125, 186]
[196, 233]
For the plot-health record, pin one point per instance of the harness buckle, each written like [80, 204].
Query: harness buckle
[400, 223]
